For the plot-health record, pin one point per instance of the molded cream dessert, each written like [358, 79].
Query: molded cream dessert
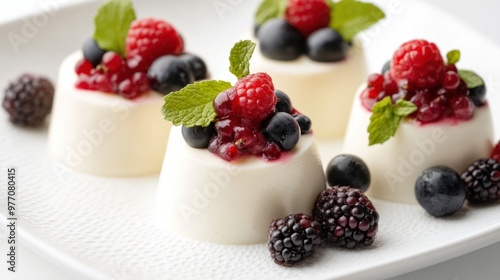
[310, 50]
[422, 112]
[243, 156]
[107, 112]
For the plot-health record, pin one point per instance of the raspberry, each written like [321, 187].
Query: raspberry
[254, 97]
[293, 239]
[482, 180]
[148, 39]
[307, 15]
[347, 217]
[28, 100]
[420, 62]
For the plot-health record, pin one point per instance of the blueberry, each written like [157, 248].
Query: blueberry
[283, 130]
[440, 191]
[304, 123]
[478, 94]
[169, 73]
[92, 52]
[198, 136]
[348, 170]
[197, 65]
[280, 41]
[256, 28]
[326, 45]
[386, 67]
[284, 104]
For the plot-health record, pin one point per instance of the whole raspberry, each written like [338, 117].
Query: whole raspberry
[307, 15]
[347, 217]
[148, 39]
[254, 97]
[28, 100]
[482, 180]
[420, 63]
[293, 239]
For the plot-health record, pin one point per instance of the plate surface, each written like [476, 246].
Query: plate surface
[105, 228]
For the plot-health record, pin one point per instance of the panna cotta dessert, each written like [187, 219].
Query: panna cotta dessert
[106, 118]
[419, 113]
[311, 50]
[241, 157]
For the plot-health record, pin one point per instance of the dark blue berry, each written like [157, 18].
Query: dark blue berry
[92, 52]
[304, 123]
[198, 136]
[348, 170]
[284, 104]
[169, 73]
[478, 94]
[440, 191]
[283, 130]
[280, 41]
[256, 28]
[386, 67]
[326, 45]
[197, 65]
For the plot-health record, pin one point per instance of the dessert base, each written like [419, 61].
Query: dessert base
[396, 164]
[322, 91]
[103, 133]
[206, 198]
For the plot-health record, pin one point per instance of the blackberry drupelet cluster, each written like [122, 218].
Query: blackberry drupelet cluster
[347, 217]
[482, 180]
[28, 100]
[293, 239]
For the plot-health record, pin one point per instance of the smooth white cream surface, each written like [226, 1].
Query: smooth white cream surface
[206, 198]
[104, 133]
[396, 164]
[322, 91]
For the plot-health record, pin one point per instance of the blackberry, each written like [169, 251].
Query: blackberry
[347, 217]
[28, 100]
[293, 239]
[482, 180]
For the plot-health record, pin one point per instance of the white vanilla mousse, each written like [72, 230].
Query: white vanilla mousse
[207, 198]
[395, 165]
[323, 91]
[103, 133]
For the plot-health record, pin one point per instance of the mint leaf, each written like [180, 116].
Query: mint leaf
[112, 22]
[470, 78]
[269, 9]
[385, 119]
[452, 57]
[239, 59]
[349, 17]
[192, 105]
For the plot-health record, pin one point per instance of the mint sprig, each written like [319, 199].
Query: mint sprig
[192, 105]
[269, 9]
[470, 78]
[386, 117]
[112, 23]
[349, 17]
[452, 57]
[239, 58]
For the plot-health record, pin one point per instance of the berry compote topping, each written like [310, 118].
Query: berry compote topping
[418, 73]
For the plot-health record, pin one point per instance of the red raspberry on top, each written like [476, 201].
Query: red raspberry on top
[148, 39]
[307, 15]
[254, 97]
[419, 62]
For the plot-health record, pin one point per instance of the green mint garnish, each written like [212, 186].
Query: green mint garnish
[386, 117]
[349, 17]
[269, 9]
[192, 105]
[112, 22]
[470, 78]
[452, 57]
[239, 59]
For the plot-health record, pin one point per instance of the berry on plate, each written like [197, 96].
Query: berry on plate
[482, 180]
[348, 170]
